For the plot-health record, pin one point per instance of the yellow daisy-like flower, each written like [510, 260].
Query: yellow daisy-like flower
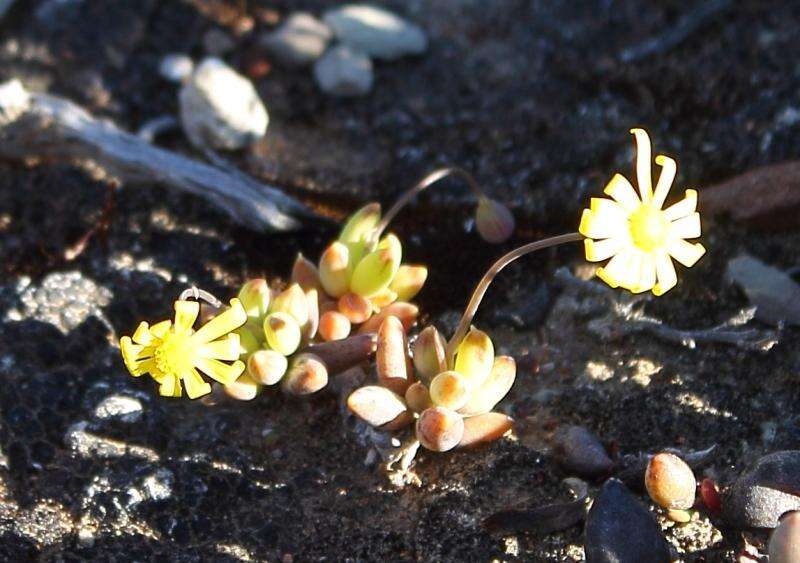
[172, 352]
[640, 237]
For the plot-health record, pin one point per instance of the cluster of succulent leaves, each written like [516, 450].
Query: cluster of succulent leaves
[450, 402]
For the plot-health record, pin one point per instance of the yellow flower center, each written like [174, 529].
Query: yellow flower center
[173, 355]
[649, 228]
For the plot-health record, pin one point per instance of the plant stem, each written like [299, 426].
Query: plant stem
[421, 185]
[486, 280]
[200, 294]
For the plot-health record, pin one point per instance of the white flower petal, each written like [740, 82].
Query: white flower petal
[686, 227]
[684, 252]
[684, 207]
[668, 169]
[644, 174]
[665, 271]
[597, 251]
[622, 191]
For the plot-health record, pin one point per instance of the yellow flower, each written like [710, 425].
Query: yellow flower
[640, 237]
[172, 352]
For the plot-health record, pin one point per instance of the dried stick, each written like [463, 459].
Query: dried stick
[44, 126]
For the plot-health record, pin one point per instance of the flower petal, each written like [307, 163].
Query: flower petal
[644, 175]
[686, 227]
[224, 349]
[647, 273]
[185, 315]
[143, 335]
[684, 207]
[169, 386]
[685, 253]
[665, 271]
[604, 221]
[614, 271]
[597, 251]
[195, 386]
[668, 169]
[220, 371]
[227, 321]
[622, 191]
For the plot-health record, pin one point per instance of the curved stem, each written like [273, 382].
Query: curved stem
[486, 280]
[425, 182]
[197, 293]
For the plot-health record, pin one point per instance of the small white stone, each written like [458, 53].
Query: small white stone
[376, 32]
[343, 71]
[127, 409]
[299, 41]
[176, 67]
[220, 108]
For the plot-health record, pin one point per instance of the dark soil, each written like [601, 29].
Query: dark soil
[530, 97]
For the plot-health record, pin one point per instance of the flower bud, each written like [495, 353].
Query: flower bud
[311, 327]
[255, 297]
[376, 270]
[292, 301]
[282, 333]
[243, 389]
[376, 405]
[406, 312]
[333, 326]
[494, 221]
[418, 398]
[429, 354]
[450, 389]
[361, 223]
[408, 281]
[267, 366]
[248, 343]
[440, 429]
[492, 391]
[391, 358]
[670, 482]
[475, 357]
[305, 274]
[357, 309]
[307, 374]
[484, 428]
[334, 269]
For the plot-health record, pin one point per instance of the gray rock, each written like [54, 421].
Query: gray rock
[126, 409]
[220, 108]
[579, 452]
[620, 530]
[764, 492]
[299, 41]
[176, 67]
[376, 32]
[343, 71]
[774, 292]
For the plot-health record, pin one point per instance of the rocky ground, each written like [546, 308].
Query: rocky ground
[535, 99]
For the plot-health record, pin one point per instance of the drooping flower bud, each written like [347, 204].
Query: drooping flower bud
[356, 308]
[494, 221]
[282, 333]
[267, 366]
[475, 357]
[484, 428]
[307, 374]
[418, 398]
[255, 297]
[361, 223]
[391, 358]
[408, 281]
[440, 429]
[292, 301]
[305, 273]
[243, 389]
[333, 326]
[429, 354]
[450, 389]
[376, 405]
[334, 269]
[376, 270]
[492, 391]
